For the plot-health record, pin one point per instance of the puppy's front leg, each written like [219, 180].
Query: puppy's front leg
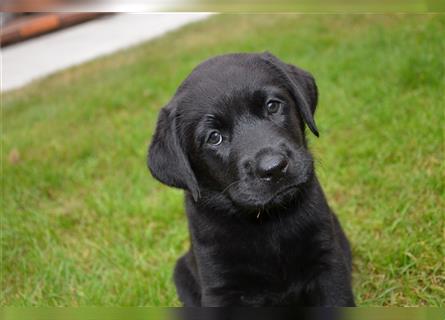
[216, 298]
[258, 298]
[331, 288]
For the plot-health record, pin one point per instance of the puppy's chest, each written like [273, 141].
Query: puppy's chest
[274, 259]
[270, 271]
[258, 262]
[286, 255]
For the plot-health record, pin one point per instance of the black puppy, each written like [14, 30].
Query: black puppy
[262, 233]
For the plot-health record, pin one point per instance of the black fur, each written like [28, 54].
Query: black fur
[262, 233]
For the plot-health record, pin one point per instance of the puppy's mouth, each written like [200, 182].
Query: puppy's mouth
[282, 196]
[279, 199]
[283, 192]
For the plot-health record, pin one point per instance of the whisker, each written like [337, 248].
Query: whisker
[206, 201]
[231, 184]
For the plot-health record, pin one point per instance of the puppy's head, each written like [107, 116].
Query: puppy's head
[234, 132]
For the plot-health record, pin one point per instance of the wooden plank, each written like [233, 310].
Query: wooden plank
[36, 25]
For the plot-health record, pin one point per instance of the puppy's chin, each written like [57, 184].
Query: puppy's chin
[257, 202]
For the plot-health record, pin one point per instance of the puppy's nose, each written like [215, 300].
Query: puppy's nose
[271, 166]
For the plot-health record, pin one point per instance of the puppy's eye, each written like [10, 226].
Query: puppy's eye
[215, 138]
[273, 106]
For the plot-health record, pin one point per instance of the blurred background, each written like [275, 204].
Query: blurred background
[84, 223]
[60, 40]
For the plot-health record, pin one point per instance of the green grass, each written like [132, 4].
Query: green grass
[83, 222]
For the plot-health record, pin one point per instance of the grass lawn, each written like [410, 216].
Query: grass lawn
[83, 222]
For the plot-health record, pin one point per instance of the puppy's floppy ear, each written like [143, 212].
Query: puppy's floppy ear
[302, 85]
[167, 160]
